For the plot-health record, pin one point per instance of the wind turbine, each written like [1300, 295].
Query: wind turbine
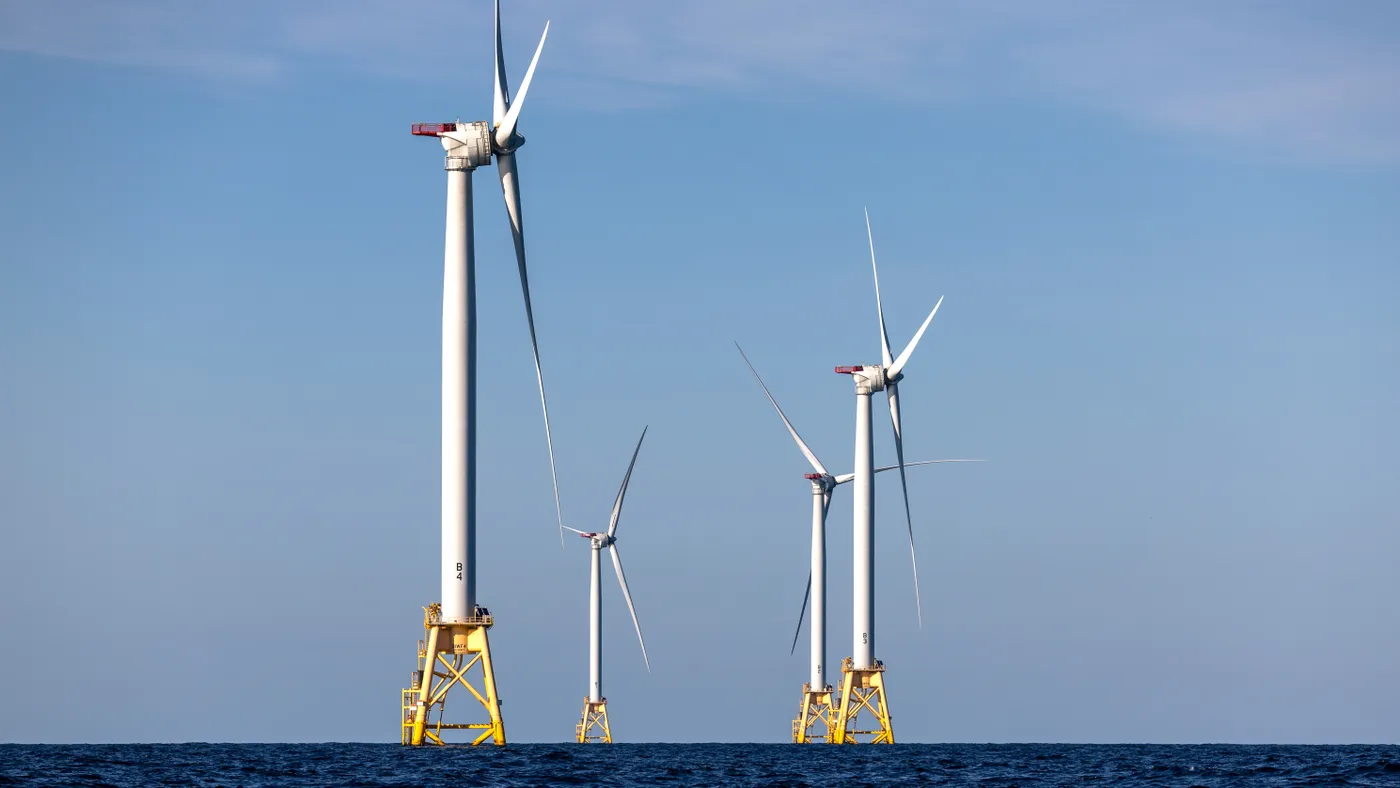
[817, 704]
[864, 686]
[456, 627]
[593, 727]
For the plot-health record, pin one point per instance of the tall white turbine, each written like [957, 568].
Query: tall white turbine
[469, 146]
[593, 727]
[864, 672]
[817, 701]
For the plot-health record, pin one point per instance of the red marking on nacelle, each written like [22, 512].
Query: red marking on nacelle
[848, 370]
[432, 129]
[812, 476]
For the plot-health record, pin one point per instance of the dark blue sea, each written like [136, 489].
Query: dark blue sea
[990, 765]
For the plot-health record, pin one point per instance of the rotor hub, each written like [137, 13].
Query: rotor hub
[511, 145]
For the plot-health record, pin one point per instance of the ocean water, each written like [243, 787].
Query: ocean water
[990, 765]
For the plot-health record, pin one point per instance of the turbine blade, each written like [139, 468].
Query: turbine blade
[846, 477]
[621, 578]
[884, 468]
[807, 452]
[506, 127]
[892, 390]
[575, 530]
[510, 186]
[801, 615]
[879, 308]
[502, 97]
[894, 369]
[826, 504]
[622, 492]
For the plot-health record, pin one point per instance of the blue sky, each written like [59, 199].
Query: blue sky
[1168, 246]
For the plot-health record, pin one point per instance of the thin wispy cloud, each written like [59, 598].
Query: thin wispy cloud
[1299, 77]
[217, 41]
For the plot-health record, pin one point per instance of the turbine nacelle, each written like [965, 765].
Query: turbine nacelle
[599, 540]
[823, 481]
[870, 378]
[468, 145]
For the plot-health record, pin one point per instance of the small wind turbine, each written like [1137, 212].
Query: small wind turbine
[816, 694]
[864, 685]
[593, 727]
[456, 627]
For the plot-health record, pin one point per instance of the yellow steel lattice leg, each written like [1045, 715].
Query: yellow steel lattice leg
[593, 727]
[815, 718]
[446, 658]
[863, 689]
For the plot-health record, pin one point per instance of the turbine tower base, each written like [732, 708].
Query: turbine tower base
[816, 719]
[448, 652]
[593, 727]
[863, 688]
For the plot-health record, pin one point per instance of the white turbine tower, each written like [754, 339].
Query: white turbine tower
[593, 727]
[864, 686]
[817, 707]
[456, 627]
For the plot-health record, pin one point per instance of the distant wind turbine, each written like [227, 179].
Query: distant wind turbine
[863, 686]
[594, 727]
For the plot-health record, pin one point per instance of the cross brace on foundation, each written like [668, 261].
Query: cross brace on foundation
[593, 727]
[816, 717]
[451, 651]
[863, 689]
